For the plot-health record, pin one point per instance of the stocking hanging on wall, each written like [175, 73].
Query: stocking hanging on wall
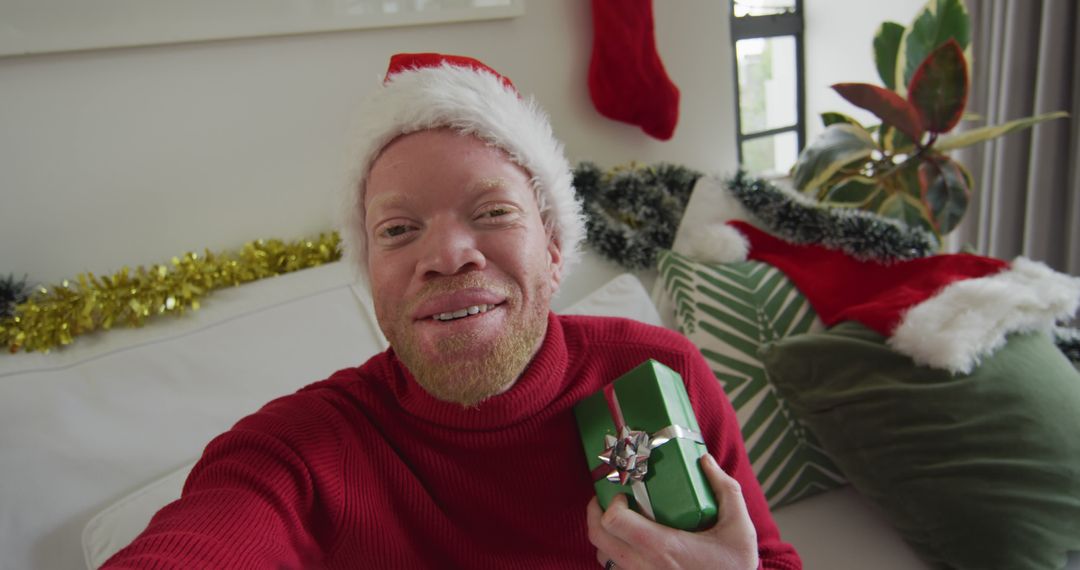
[627, 80]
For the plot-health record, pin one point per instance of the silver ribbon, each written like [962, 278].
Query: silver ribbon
[628, 457]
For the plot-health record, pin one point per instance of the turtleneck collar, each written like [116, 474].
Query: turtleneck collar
[541, 383]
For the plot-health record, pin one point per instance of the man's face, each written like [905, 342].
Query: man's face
[462, 269]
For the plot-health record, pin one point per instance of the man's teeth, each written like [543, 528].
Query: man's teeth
[473, 310]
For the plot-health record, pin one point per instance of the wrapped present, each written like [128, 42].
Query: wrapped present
[641, 439]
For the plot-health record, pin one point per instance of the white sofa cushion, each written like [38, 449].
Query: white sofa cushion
[84, 426]
[116, 525]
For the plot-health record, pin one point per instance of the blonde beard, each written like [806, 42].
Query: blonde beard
[470, 379]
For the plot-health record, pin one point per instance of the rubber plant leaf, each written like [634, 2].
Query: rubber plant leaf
[946, 192]
[967, 138]
[907, 209]
[904, 179]
[838, 146]
[886, 47]
[885, 104]
[832, 117]
[854, 192]
[939, 88]
[894, 141]
[936, 23]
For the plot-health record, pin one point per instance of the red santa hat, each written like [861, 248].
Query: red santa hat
[427, 91]
[944, 311]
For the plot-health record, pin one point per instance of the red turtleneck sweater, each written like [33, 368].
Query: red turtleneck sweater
[366, 470]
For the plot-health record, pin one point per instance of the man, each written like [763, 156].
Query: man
[456, 448]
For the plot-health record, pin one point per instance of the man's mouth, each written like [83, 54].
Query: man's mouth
[462, 313]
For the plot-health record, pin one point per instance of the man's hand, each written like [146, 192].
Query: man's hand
[634, 542]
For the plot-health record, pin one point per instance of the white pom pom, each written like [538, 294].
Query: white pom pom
[716, 243]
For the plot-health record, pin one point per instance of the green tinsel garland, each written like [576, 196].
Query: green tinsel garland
[633, 212]
[1068, 340]
[861, 234]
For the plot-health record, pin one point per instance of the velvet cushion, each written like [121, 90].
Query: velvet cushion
[977, 471]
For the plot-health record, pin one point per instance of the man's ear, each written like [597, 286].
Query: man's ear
[555, 262]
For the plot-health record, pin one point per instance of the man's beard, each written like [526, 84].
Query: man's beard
[462, 374]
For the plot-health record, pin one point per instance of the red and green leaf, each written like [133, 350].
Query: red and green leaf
[886, 105]
[939, 88]
[937, 22]
[946, 192]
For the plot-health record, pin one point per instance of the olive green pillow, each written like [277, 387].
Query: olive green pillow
[977, 471]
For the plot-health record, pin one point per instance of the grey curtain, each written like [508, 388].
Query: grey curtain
[1027, 194]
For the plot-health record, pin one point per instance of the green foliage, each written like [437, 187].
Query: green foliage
[839, 145]
[831, 118]
[886, 46]
[968, 138]
[938, 22]
[939, 88]
[903, 173]
[946, 190]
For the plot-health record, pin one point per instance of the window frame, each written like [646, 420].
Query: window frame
[788, 23]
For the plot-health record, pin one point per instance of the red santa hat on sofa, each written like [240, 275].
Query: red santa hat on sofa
[944, 311]
[428, 90]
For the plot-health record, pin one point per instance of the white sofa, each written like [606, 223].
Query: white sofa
[94, 438]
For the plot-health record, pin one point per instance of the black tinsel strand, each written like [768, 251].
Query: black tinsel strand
[633, 212]
[12, 292]
[1068, 340]
[863, 235]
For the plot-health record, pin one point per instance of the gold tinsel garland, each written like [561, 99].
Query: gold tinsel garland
[53, 317]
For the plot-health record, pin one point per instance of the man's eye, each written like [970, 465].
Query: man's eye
[395, 231]
[496, 212]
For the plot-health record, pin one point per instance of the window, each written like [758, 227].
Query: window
[770, 96]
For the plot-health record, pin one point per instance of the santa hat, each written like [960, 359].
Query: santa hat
[429, 90]
[944, 311]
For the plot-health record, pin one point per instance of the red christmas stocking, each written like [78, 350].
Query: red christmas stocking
[627, 80]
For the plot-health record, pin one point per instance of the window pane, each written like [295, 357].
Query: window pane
[762, 7]
[771, 155]
[767, 80]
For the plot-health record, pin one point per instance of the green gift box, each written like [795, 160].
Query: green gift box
[641, 439]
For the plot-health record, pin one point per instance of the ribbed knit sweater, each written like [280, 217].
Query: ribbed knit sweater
[366, 470]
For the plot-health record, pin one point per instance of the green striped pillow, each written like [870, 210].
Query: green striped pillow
[730, 310]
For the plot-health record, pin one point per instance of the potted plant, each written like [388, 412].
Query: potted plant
[900, 168]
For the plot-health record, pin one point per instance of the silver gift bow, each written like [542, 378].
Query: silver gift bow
[628, 457]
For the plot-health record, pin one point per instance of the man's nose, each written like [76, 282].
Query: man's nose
[450, 247]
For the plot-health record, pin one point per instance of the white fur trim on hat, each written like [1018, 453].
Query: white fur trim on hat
[968, 320]
[472, 102]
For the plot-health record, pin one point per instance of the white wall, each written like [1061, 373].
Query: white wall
[130, 156]
[839, 41]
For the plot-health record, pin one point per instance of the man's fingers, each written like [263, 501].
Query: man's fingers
[593, 512]
[729, 498]
[602, 557]
[630, 527]
[608, 546]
